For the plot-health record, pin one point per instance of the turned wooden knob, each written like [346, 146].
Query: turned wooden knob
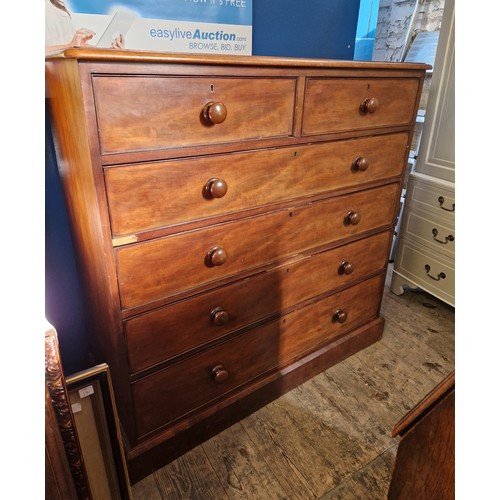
[369, 105]
[340, 316]
[219, 374]
[219, 317]
[360, 163]
[216, 256]
[216, 188]
[214, 112]
[346, 268]
[352, 217]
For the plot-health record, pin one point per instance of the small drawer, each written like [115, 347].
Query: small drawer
[160, 335]
[430, 271]
[148, 196]
[341, 104]
[430, 230]
[170, 112]
[436, 196]
[161, 268]
[173, 392]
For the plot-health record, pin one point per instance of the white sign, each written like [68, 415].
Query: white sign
[86, 391]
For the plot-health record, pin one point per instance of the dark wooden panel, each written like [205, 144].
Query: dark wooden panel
[332, 105]
[166, 112]
[425, 462]
[160, 268]
[139, 195]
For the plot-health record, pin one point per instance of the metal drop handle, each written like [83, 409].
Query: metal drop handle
[441, 201]
[440, 276]
[447, 239]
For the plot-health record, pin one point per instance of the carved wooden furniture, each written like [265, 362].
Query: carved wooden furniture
[425, 462]
[426, 249]
[233, 218]
[65, 475]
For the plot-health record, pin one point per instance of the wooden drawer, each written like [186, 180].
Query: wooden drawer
[430, 230]
[428, 270]
[148, 196]
[167, 332]
[161, 398]
[336, 104]
[168, 112]
[161, 268]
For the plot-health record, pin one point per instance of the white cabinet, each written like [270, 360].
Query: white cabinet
[426, 250]
[425, 255]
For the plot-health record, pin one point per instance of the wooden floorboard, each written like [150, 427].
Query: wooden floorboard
[370, 482]
[241, 467]
[330, 437]
[191, 476]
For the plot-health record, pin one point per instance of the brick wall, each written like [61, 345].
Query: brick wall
[394, 19]
[393, 24]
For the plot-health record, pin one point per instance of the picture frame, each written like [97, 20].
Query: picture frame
[93, 408]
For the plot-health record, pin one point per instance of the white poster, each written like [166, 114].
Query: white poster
[187, 26]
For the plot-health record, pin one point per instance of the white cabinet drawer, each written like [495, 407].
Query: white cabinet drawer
[436, 196]
[433, 273]
[430, 230]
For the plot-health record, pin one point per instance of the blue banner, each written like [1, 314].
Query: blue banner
[206, 11]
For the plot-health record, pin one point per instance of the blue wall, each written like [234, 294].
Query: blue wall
[288, 28]
[63, 297]
[305, 28]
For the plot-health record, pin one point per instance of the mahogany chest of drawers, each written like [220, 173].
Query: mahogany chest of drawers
[233, 219]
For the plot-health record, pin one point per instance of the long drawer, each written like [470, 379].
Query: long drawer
[148, 196]
[160, 268]
[168, 111]
[338, 104]
[161, 398]
[175, 329]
